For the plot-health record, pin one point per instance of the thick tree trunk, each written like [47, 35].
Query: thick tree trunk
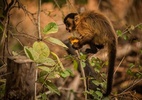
[20, 84]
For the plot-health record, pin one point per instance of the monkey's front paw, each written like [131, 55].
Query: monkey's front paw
[76, 45]
[73, 40]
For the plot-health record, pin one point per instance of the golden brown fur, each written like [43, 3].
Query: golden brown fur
[96, 30]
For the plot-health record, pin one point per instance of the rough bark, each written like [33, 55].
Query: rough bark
[20, 84]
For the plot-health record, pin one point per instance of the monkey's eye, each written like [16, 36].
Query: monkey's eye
[68, 24]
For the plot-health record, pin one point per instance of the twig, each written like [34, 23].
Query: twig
[130, 29]
[4, 36]
[48, 75]
[35, 81]
[59, 8]
[28, 13]
[59, 88]
[83, 75]
[72, 6]
[18, 41]
[39, 37]
[138, 25]
[131, 86]
[8, 7]
[7, 40]
[38, 19]
[119, 64]
[5, 74]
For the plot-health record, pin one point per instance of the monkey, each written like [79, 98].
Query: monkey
[96, 30]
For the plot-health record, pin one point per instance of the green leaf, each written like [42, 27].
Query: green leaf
[83, 56]
[46, 61]
[119, 32]
[14, 53]
[34, 55]
[103, 84]
[56, 41]
[50, 28]
[44, 96]
[1, 28]
[125, 37]
[99, 94]
[97, 83]
[129, 72]
[42, 51]
[140, 26]
[140, 51]
[70, 71]
[52, 87]
[28, 52]
[49, 62]
[75, 63]
[65, 73]
[131, 65]
[83, 64]
[41, 48]
[97, 70]
[60, 63]
[91, 92]
[42, 74]
[38, 53]
[44, 68]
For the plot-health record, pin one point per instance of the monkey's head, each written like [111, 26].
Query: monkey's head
[71, 21]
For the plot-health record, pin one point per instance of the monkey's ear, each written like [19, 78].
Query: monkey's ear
[76, 18]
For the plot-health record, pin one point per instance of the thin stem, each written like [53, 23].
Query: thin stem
[134, 83]
[83, 75]
[36, 72]
[119, 64]
[38, 19]
[72, 6]
[59, 8]
[128, 29]
[39, 36]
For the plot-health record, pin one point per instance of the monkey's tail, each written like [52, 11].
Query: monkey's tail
[111, 64]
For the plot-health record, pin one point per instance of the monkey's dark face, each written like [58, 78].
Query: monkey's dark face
[69, 22]
[70, 25]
